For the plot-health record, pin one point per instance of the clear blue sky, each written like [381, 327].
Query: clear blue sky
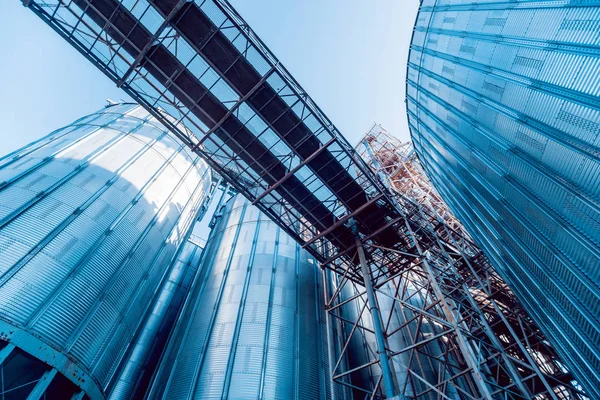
[349, 55]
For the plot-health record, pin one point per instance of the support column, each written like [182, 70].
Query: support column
[384, 362]
[39, 390]
[329, 331]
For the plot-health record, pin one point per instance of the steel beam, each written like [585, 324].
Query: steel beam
[292, 171]
[5, 352]
[138, 59]
[329, 330]
[342, 221]
[389, 386]
[40, 387]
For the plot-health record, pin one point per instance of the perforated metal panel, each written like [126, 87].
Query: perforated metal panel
[252, 325]
[91, 218]
[504, 113]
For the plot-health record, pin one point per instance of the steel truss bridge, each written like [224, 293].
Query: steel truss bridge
[200, 69]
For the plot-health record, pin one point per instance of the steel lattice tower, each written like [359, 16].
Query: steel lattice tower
[449, 300]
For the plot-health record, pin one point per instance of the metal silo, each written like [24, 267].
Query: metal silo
[361, 347]
[91, 217]
[252, 327]
[415, 371]
[144, 352]
[504, 112]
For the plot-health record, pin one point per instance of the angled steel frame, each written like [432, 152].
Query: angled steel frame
[450, 313]
[200, 69]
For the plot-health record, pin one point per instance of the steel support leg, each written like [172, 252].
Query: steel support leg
[40, 388]
[330, 340]
[384, 362]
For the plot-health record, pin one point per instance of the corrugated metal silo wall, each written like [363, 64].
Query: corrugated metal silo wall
[90, 219]
[252, 326]
[504, 111]
[403, 323]
[362, 348]
[143, 354]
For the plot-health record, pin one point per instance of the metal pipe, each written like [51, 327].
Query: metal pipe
[384, 362]
[329, 331]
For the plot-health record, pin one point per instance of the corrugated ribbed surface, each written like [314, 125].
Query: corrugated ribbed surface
[90, 218]
[504, 112]
[403, 324]
[144, 353]
[251, 327]
[423, 362]
[362, 348]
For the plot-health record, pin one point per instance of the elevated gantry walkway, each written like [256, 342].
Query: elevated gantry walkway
[233, 103]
